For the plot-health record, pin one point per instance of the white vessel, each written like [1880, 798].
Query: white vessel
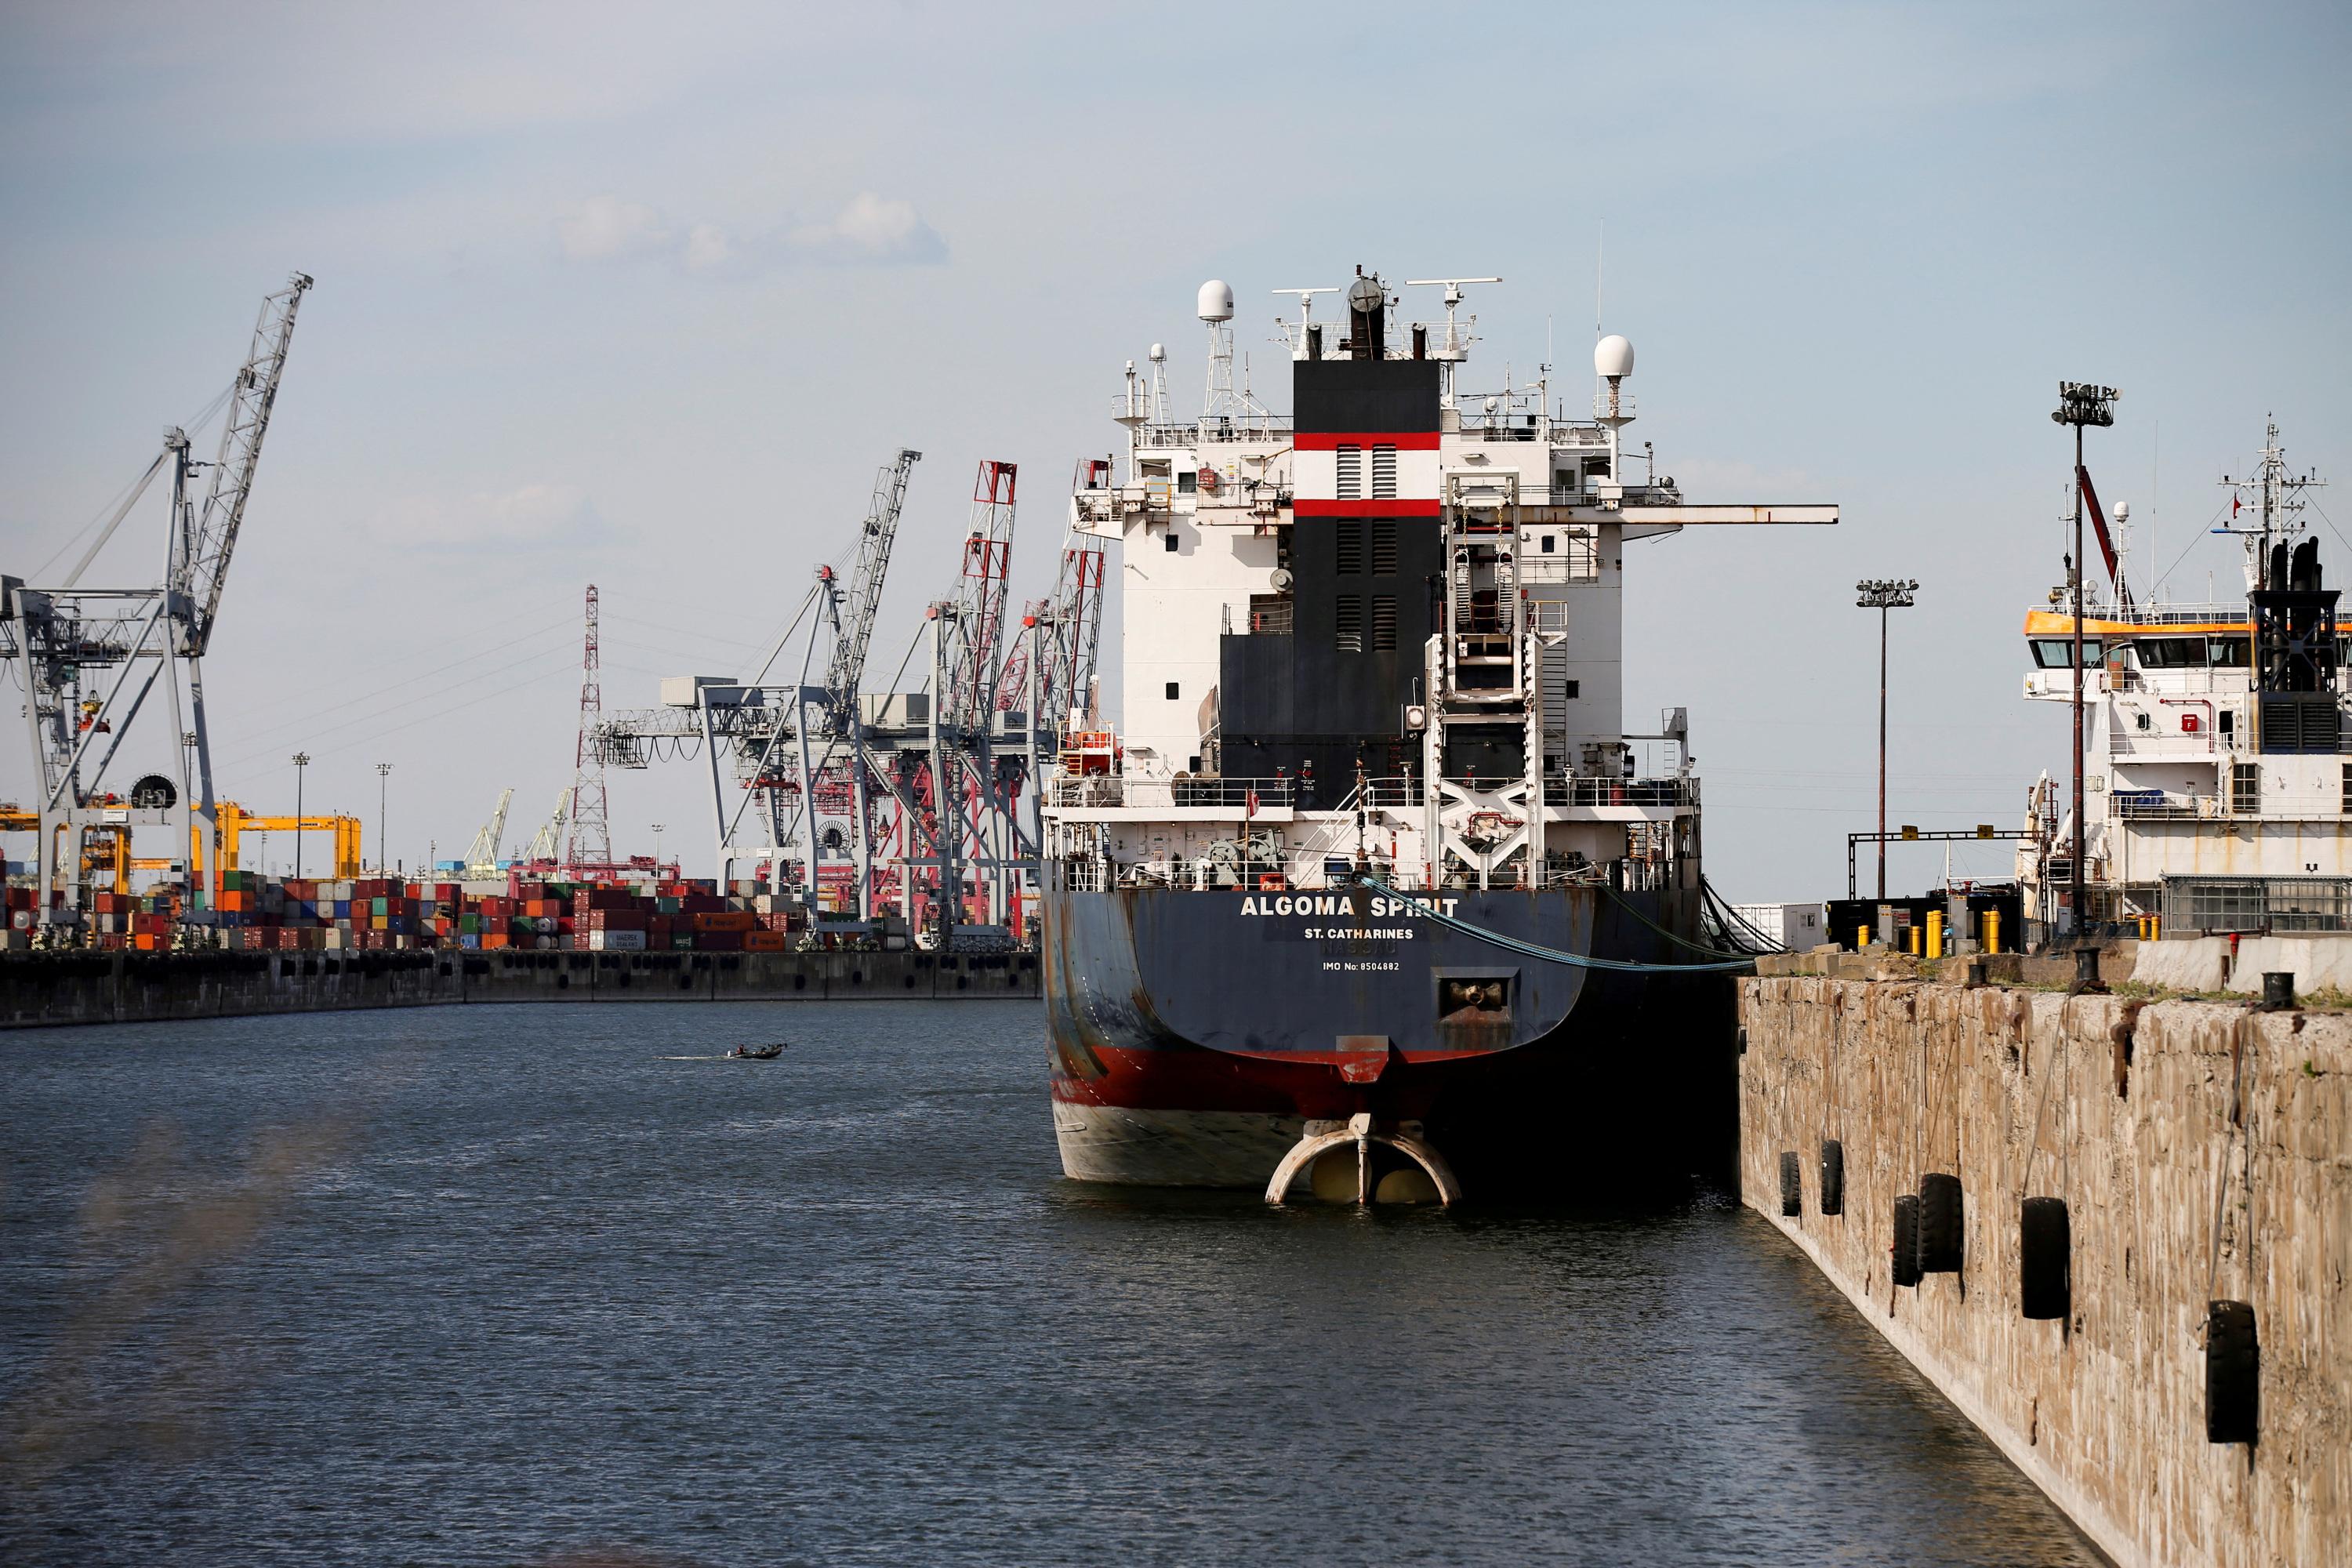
[2217, 785]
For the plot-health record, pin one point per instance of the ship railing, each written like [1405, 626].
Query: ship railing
[1207, 432]
[2156, 805]
[1621, 792]
[1084, 873]
[1125, 790]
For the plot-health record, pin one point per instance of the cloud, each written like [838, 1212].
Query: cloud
[870, 231]
[604, 227]
[708, 248]
[533, 516]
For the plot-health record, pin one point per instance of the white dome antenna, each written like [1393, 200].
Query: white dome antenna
[1613, 361]
[1216, 308]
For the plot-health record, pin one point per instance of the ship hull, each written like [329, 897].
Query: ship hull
[1196, 1036]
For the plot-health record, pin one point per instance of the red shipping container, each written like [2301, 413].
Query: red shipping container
[717, 940]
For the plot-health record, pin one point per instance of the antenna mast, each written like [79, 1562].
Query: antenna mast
[591, 841]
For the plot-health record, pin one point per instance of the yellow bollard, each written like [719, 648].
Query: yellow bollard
[1861, 938]
[1935, 933]
[1914, 942]
[2156, 928]
[1992, 930]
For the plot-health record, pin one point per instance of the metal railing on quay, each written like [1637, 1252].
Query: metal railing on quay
[2199, 905]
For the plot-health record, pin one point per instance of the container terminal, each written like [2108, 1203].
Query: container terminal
[859, 821]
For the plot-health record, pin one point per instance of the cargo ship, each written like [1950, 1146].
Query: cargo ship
[1366, 895]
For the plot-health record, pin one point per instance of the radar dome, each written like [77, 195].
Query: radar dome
[1158, 353]
[1216, 300]
[1612, 356]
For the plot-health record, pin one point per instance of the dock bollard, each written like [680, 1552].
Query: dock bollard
[2278, 989]
[2086, 972]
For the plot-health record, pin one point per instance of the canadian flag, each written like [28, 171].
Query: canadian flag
[2235, 504]
[1249, 804]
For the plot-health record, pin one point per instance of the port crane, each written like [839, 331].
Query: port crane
[89, 656]
[482, 855]
[793, 748]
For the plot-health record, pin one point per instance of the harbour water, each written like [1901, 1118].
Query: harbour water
[493, 1285]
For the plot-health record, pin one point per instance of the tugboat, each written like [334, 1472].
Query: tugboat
[1367, 891]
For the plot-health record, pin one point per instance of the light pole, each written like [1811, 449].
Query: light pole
[383, 791]
[301, 761]
[658, 833]
[1884, 594]
[2080, 404]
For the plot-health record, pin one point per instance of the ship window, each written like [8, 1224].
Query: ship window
[1551, 543]
[1383, 623]
[2141, 720]
[2227, 723]
[2246, 786]
[1570, 687]
[1349, 540]
[2229, 653]
[2347, 789]
[2058, 653]
[1384, 472]
[1596, 468]
[1384, 556]
[1187, 482]
[2171, 653]
[1352, 473]
[1348, 623]
[1171, 541]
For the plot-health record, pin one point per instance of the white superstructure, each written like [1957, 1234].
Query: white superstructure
[2215, 738]
[1446, 565]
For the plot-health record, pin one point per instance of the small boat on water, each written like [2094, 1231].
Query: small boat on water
[757, 1053]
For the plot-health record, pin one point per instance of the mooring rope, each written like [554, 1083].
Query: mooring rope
[1549, 954]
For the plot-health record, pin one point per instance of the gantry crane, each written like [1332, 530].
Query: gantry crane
[89, 657]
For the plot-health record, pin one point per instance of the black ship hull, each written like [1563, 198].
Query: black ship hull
[1196, 1037]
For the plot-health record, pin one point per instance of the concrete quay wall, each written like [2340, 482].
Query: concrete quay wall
[38, 990]
[2148, 1119]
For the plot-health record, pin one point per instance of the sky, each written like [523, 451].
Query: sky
[643, 298]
